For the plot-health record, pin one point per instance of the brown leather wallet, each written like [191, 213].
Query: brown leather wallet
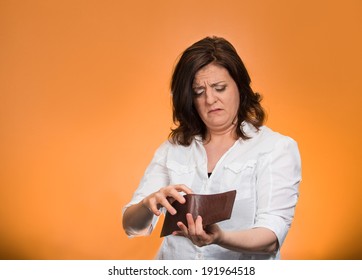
[212, 208]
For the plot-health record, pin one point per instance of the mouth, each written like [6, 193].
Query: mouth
[215, 110]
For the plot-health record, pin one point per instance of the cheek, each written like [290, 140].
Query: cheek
[232, 102]
[236, 102]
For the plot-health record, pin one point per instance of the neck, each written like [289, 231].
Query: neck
[221, 135]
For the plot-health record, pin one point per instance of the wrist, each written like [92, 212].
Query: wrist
[145, 206]
[219, 237]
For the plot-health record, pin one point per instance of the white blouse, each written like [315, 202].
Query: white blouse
[265, 171]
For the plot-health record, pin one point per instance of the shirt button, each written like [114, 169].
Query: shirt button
[199, 256]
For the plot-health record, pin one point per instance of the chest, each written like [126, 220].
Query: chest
[233, 169]
[214, 153]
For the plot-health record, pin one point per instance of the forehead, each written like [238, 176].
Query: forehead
[211, 73]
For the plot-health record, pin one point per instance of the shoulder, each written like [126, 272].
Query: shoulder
[279, 145]
[168, 147]
[268, 140]
[275, 136]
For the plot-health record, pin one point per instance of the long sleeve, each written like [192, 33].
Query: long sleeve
[278, 179]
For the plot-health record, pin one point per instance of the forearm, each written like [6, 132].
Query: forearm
[137, 219]
[258, 240]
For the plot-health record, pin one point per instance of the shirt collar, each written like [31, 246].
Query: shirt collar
[247, 127]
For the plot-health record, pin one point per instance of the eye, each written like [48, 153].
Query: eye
[220, 88]
[198, 92]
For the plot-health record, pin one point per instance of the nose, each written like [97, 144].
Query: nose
[211, 98]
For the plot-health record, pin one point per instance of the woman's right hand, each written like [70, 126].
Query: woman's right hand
[164, 197]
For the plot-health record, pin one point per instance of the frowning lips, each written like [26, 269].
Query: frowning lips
[214, 110]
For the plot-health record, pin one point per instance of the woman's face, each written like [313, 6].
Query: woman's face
[216, 98]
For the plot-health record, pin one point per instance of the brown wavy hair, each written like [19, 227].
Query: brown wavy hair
[219, 51]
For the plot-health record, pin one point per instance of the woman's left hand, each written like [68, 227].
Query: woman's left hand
[198, 234]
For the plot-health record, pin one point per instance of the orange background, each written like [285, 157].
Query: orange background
[84, 103]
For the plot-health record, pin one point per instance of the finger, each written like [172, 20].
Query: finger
[178, 233]
[173, 192]
[199, 229]
[170, 199]
[183, 188]
[176, 195]
[151, 205]
[183, 228]
[190, 224]
[165, 203]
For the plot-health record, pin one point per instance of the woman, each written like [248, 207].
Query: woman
[219, 144]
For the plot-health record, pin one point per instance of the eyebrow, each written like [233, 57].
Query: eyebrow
[212, 85]
[216, 84]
